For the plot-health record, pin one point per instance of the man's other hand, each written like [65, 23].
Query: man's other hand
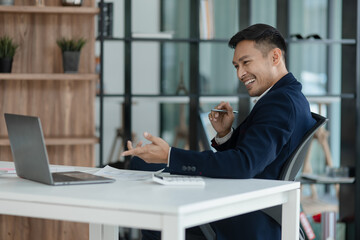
[155, 152]
[222, 122]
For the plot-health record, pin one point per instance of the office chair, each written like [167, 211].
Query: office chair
[288, 173]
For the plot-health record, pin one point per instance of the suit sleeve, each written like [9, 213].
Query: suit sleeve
[247, 153]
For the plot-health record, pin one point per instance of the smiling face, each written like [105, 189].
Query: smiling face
[256, 71]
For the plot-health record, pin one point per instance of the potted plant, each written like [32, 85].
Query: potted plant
[70, 49]
[7, 52]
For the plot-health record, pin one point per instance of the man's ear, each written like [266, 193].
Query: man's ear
[276, 56]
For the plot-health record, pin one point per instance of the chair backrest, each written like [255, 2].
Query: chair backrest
[288, 173]
[296, 159]
[294, 163]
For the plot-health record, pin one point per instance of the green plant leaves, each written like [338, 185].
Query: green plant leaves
[7, 47]
[73, 45]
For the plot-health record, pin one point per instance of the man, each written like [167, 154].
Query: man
[260, 145]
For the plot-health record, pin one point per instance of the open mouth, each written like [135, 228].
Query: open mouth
[249, 81]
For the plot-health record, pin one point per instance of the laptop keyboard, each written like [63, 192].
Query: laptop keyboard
[59, 177]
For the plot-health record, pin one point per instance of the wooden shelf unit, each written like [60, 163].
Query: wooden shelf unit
[65, 103]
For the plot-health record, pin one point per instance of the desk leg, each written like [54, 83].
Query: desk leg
[103, 232]
[290, 216]
[172, 229]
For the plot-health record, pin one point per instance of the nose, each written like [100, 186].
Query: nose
[241, 73]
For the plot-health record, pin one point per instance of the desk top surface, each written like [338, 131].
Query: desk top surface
[145, 196]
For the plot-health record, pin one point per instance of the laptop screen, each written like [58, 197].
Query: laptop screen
[28, 147]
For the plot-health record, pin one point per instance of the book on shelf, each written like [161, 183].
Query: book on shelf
[162, 35]
[108, 9]
[306, 226]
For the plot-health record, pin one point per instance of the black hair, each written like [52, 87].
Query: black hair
[265, 37]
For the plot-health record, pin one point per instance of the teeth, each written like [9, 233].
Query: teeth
[249, 81]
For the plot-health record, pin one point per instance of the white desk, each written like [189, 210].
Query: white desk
[147, 205]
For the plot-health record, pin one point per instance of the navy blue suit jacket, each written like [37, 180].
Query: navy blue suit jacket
[257, 148]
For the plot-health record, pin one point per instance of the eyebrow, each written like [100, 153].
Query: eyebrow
[241, 59]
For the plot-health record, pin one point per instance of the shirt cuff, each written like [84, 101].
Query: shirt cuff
[221, 140]
[168, 163]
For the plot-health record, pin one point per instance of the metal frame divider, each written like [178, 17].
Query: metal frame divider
[194, 77]
[357, 160]
[127, 75]
[101, 87]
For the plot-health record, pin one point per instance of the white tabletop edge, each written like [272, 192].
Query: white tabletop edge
[183, 207]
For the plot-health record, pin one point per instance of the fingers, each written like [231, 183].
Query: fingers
[127, 153]
[131, 150]
[228, 107]
[156, 152]
[213, 116]
[138, 149]
[151, 138]
[129, 145]
[225, 106]
[139, 144]
[221, 105]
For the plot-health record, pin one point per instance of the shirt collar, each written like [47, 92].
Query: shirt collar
[258, 98]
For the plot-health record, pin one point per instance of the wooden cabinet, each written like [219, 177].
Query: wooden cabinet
[64, 102]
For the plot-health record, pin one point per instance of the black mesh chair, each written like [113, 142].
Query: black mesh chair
[289, 172]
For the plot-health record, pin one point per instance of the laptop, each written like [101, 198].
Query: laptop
[31, 158]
